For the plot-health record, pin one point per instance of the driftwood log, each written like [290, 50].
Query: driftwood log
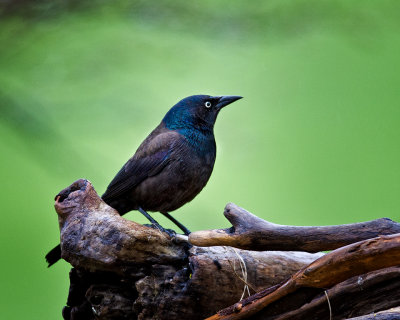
[124, 270]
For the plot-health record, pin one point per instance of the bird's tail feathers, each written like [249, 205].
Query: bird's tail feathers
[53, 256]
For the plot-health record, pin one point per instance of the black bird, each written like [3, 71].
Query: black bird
[171, 166]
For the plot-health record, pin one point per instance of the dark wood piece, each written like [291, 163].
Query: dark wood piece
[253, 233]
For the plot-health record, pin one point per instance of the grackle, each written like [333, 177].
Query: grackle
[171, 166]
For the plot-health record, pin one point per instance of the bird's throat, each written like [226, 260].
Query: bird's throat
[203, 142]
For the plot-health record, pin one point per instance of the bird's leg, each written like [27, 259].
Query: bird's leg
[185, 230]
[154, 222]
[171, 233]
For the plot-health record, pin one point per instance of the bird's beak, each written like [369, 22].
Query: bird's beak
[225, 100]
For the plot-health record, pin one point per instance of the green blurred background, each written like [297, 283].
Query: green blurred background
[82, 83]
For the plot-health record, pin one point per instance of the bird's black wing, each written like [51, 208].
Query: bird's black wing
[150, 159]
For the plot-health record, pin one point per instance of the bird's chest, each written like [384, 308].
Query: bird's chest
[194, 166]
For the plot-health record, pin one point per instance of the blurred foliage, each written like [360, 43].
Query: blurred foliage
[82, 83]
[274, 18]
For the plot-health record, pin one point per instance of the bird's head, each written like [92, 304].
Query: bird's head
[197, 112]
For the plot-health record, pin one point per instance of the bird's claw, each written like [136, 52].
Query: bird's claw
[169, 232]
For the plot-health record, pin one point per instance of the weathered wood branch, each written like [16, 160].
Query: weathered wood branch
[253, 233]
[126, 270]
[359, 295]
[327, 271]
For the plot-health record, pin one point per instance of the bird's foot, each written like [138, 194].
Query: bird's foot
[169, 232]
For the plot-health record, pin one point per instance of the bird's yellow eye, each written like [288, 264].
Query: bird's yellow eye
[208, 104]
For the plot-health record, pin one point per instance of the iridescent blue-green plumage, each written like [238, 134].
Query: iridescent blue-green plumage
[172, 165]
